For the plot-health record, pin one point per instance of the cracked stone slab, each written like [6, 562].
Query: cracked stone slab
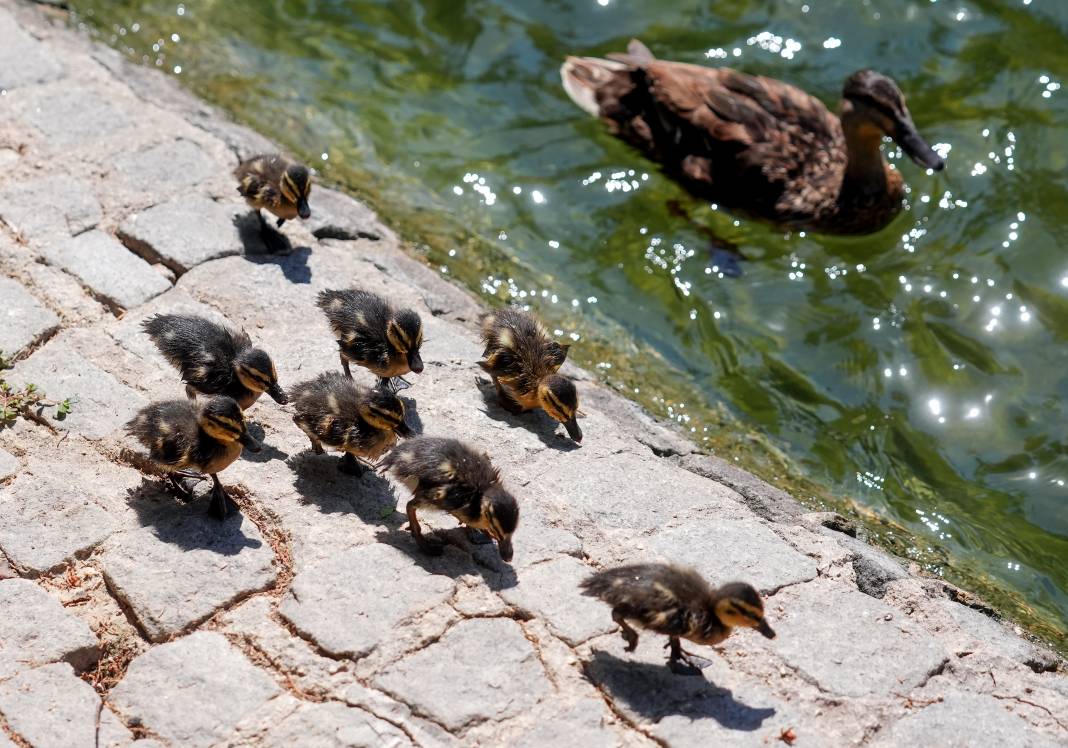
[49, 206]
[481, 669]
[72, 115]
[37, 630]
[849, 643]
[107, 268]
[183, 233]
[583, 724]
[551, 592]
[24, 61]
[45, 523]
[193, 691]
[101, 404]
[23, 319]
[349, 603]
[175, 164]
[335, 215]
[730, 551]
[961, 720]
[51, 707]
[331, 725]
[182, 565]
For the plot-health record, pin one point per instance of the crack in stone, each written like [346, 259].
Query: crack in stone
[1010, 697]
[622, 716]
[14, 737]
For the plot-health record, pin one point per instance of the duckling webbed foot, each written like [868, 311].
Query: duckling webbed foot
[280, 222]
[182, 484]
[222, 506]
[349, 465]
[429, 546]
[272, 240]
[682, 662]
[345, 366]
[393, 384]
[630, 636]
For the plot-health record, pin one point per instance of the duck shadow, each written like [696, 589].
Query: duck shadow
[267, 453]
[535, 421]
[459, 557]
[318, 481]
[264, 244]
[654, 692]
[186, 524]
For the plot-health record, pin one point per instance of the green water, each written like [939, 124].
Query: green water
[918, 372]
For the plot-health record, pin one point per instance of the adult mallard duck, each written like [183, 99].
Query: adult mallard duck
[757, 145]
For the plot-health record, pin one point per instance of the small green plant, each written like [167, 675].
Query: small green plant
[16, 401]
[63, 409]
[5, 363]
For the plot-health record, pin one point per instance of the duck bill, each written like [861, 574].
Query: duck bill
[415, 362]
[573, 429]
[250, 443]
[278, 394]
[765, 629]
[913, 144]
[504, 547]
[303, 210]
[404, 430]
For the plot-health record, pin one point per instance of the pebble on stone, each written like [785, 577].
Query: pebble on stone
[551, 592]
[42, 632]
[23, 60]
[183, 233]
[101, 404]
[23, 320]
[45, 523]
[51, 707]
[54, 206]
[481, 669]
[171, 165]
[728, 551]
[193, 691]
[107, 268]
[182, 565]
[333, 724]
[350, 603]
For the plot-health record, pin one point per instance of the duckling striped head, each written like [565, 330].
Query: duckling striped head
[500, 517]
[405, 335]
[256, 371]
[221, 419]
[296, 186]
[559, 398]
[384, 411]
[738, 605]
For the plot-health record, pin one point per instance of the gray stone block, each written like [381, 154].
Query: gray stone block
[107, 268]
[741, 551]
[348, 604]
[24, 61]
[481, 669]
[550, 591]
[101, 404]
[183, 565]
[852, 644]
[874, 568]
[9, 465]
[581, 725]
[963, 720]
[333, 724]
[51, 707]
[183, 233]
[36, 630]
[23, 320]
[193, 691]
[44, 523]
[55, 206]
[73, 115]
[335, 215]
[167, 166]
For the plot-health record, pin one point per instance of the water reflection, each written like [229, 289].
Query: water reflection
[918, 370]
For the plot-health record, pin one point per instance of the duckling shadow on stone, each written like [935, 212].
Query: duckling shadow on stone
[267, 452]
[264, 244]
[536, 421]
[187, 524]
[411, 414]
[318, 481]
[458, 557]
[655, 693]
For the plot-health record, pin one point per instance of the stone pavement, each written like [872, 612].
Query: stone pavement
[128, 618]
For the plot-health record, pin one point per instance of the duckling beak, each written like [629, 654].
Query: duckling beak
[913, 144]
[278, 394]
[404, 430]
[415, 362]
[765, 629]
[573, 429]
[504, 547]
[250, 443]
[303, 210]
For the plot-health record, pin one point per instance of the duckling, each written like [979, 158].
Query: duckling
[185, 438]
[374, 335]
[676, 601]
[523, 360]
[274, 182]
[215, 359]
[448, 475]
[359, 421]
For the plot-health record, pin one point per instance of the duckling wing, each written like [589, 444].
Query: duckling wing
[201, 350]
[168, 430]
[359, 320]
